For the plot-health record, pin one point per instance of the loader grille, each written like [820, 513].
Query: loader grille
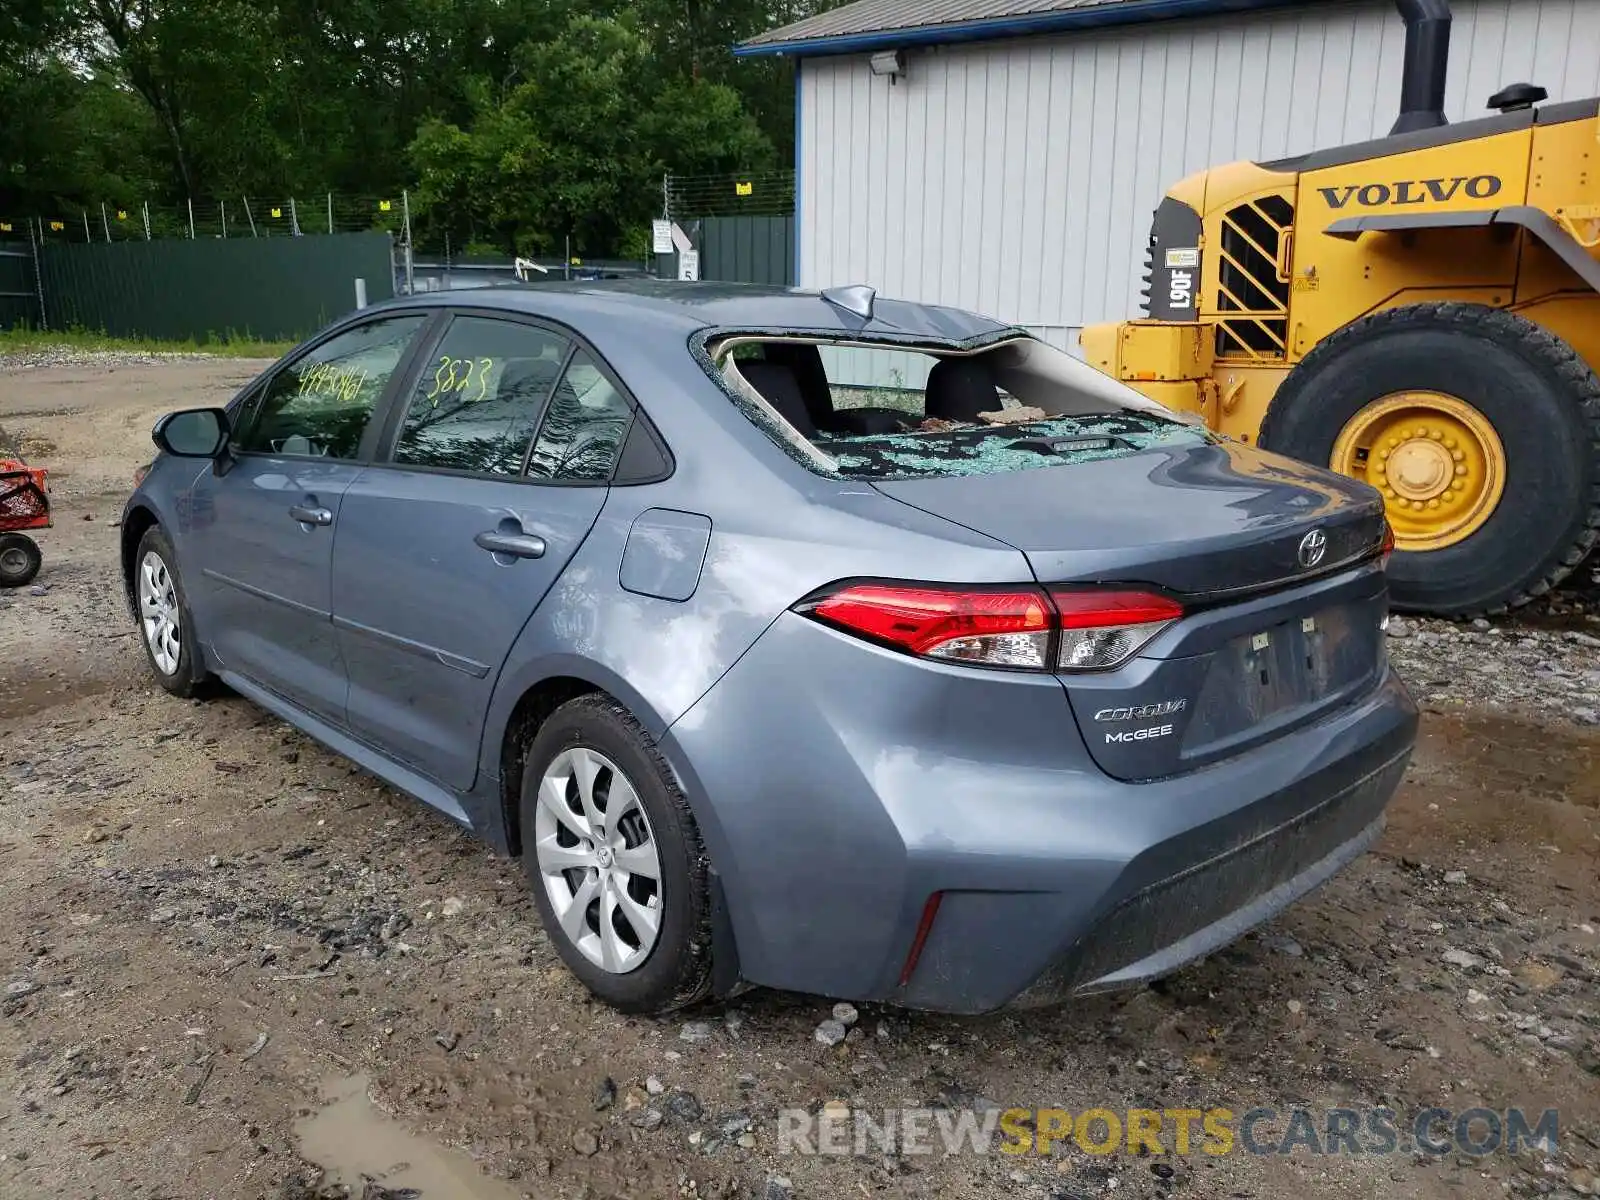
[1253, 280]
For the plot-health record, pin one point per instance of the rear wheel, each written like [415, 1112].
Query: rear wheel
[615, 861]
[1482, 431]
[19, 560]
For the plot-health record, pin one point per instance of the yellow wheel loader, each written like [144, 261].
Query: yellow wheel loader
[1421, 312]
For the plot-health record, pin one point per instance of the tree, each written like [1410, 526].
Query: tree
[577, 144]
[518, 122]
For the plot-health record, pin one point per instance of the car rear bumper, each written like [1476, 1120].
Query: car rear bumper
[839, 787]
[1181, 918]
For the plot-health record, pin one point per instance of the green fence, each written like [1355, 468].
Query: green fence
[278, 289]
[756, 249]
[19, 299]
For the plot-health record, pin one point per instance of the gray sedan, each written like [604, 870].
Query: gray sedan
[810, 640]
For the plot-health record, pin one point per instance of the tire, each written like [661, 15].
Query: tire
[1543, 403]
[20, 560]
[674, 970]
[173, 654]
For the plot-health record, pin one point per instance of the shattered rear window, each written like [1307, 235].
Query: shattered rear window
[991, 449]
[911, 410]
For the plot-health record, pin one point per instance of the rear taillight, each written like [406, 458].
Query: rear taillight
[1100, 629]
[994, 627]
[1019, 628]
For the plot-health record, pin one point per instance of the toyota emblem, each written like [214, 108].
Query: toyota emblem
[1312, 547]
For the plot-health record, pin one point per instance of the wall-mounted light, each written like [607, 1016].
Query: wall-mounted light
[889, 62]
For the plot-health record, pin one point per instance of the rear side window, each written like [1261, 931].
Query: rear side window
[583, 429]
[479, 398]
[878, 411]
[320, 405]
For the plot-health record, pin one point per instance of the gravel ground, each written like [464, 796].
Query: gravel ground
[236, 966]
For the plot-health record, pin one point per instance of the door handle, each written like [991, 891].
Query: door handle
[517, 545]
[309, 515]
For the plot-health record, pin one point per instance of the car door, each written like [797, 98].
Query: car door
[263, 528]
[498, 469]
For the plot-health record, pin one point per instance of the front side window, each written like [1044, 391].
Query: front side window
[480, 396]
[583, 431]
[320, 405]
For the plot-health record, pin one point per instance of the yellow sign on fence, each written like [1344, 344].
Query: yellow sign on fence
[277, 212]
[744, 188]
[57, 226]
[383, 206]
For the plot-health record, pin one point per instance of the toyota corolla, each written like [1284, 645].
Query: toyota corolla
[810, 640]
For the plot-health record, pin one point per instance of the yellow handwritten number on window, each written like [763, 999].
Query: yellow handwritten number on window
[328, 382]
[456, 375]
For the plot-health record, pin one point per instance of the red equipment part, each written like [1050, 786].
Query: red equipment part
[24, 496]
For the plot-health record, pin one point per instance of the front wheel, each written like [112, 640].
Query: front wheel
[165, 625]
[19, 560]
[1482, 431]
[614, 859]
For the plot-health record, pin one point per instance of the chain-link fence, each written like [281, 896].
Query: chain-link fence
[221, 217]
[757, 194]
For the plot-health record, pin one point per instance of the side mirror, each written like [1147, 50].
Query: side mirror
[192, 433]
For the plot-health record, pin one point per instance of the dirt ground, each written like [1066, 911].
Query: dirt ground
[236, 966]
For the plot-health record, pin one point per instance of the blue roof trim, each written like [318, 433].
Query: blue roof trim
[1100, 16]
[799, 174]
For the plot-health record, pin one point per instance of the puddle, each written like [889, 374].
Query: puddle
[353, 1140]
[1508, 757]
[34, 696]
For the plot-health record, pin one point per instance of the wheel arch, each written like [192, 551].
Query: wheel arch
[524, 700]
[532, 709]
[136, 522]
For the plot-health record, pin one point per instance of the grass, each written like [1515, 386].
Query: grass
[231, 345]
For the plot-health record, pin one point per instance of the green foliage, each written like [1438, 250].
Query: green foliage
[571, 148]
[228, 344]
[515, 122]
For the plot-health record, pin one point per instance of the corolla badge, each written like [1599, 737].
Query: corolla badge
[1312, 547]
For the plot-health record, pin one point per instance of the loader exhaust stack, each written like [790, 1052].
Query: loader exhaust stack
[1427, 61]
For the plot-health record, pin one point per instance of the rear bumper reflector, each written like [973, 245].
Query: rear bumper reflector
[930, 910]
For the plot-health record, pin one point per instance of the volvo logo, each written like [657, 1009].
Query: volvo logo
[1412, 191]
[1312, 547]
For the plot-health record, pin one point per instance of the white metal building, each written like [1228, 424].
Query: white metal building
[1014, 165]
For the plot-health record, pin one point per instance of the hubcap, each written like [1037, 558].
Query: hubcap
[1437, 460]
[159, 614]
[598, 860]
[13, 561]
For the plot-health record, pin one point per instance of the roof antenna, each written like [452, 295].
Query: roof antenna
[854, 298]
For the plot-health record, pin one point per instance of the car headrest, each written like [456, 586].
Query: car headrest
[959, 389]
[805, 360]
[778, 386]
[529, 377]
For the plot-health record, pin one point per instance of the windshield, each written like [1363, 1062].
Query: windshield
[871, 410]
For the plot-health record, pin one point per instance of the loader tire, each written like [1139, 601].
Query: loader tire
[1542, 402]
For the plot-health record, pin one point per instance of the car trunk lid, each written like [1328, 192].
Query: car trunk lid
[1275, 563]
[1199, 519]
